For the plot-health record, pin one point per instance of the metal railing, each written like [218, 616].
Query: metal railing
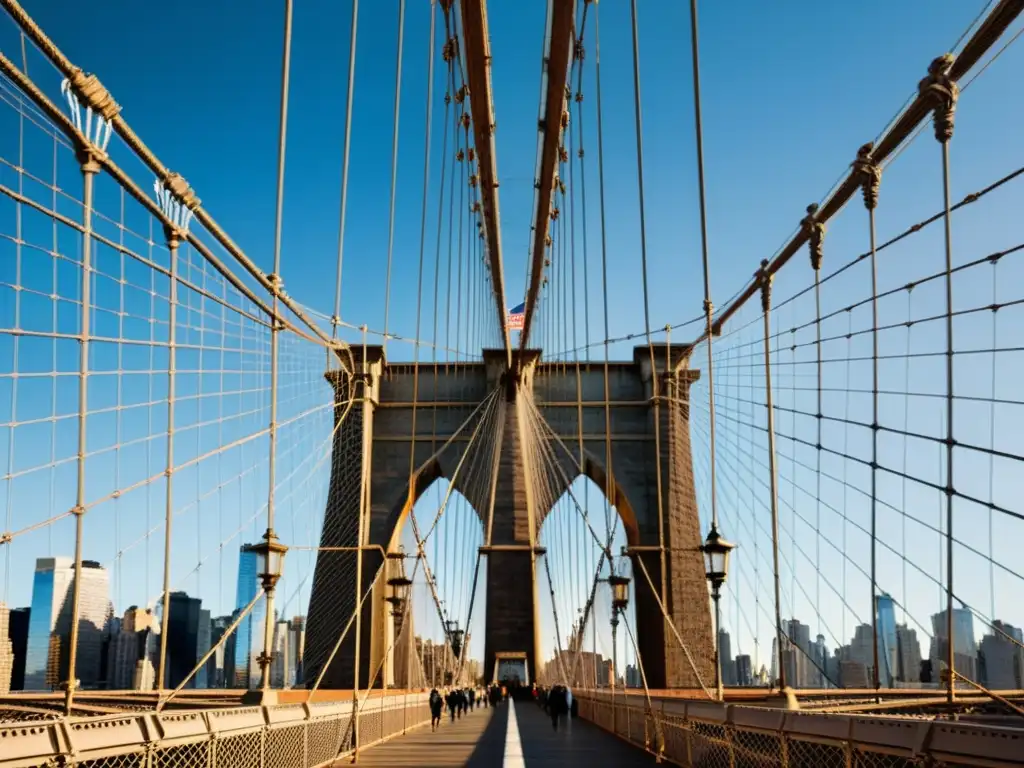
[280, 736]
[701, 733]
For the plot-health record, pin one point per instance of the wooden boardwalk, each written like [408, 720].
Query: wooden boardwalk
[478, 740]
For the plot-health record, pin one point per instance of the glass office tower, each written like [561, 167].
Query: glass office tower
[888, 647]
[49, 632]
[249, 635]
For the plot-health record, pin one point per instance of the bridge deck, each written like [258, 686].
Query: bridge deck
[514, 736]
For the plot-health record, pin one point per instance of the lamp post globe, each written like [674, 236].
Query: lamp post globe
[716, 568]
[716, 552]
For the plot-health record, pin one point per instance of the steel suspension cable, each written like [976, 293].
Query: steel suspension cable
[394, 166]
[345, 152]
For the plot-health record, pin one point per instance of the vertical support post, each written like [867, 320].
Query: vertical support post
[944, 92]
[364, 503]
[765, 280]
[173, 241]
[719, 689]
[275, 330]
[615, 662]
[870, 179]
[815, 231]
[90, 167]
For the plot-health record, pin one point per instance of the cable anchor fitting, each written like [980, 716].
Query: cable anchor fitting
[942, 92]
[869, 175]
[815, 231]
[764, 280]
[79, 88]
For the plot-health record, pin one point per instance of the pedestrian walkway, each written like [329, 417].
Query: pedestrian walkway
[476, 740]
[576, 742]
[483, 739]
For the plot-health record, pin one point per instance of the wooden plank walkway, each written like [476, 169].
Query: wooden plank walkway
[478, 740]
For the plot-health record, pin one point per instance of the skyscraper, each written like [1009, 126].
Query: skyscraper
[6, 651]
[1004, 659]
[249, 635]
[965, 647]
[744, 674]
[129, 658]
[725, 657]
[297, 646]
[18, 632]
[888, 648]
[220, 669]
[183, 640]
[47, 656]
[280, 675]
[909, 653]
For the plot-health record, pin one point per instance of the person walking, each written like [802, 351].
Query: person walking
[558, 705]
[472, 699]
[436, 703]
[452, 700]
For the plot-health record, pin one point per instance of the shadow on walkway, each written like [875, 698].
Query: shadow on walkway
[576, 742]
[476, 740]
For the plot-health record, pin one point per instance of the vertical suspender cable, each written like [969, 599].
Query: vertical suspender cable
[423, 243]
[647, 313]
[268, 587]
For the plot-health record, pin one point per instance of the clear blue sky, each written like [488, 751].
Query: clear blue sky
[790, 91]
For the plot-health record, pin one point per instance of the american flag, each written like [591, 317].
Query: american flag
[515, 317]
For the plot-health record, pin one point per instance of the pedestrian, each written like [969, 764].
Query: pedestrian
[558, 705]
[453, 703]
[472, 699]
[436, 705]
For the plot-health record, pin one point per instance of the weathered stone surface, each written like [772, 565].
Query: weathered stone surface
[624, 438]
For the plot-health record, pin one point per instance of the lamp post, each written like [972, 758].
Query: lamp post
[270, 562]
[716, 567]
[398, 595]
[620, 599]
[455, 638]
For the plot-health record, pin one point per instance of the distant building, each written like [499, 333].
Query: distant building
[633, 676]
[888, 641]
[17, 631]
[47, 657]
[908, 651]
[249, 635]
[130, 653]
[1003, 658]
[184, 640]
[6, 650]
[853, 674]
[280, 675]
[297, 646]
[725, 658]
[965, 647]
[220, 667]
[744, 671]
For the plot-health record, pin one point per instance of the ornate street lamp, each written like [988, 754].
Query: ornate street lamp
[716, 568]
[269, 565]
[619, 586]
[398, 588]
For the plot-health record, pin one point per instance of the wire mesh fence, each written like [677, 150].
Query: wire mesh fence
[311, 735]
[708, 735]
